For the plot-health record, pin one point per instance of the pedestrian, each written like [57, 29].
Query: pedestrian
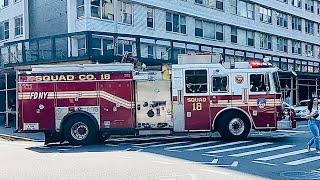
[314, 124]
[288, 99]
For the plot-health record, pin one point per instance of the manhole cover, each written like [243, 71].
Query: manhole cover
[300, 175]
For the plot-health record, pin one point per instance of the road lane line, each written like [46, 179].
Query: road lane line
[143, 144]
[165, 144]
[303, 161]
[217, 146]
[211, 155]
[239, 148]
[278, 156]
[270, 164]
[261, 151]
[190, 145]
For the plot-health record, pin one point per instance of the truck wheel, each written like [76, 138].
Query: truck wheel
[234, 127]
[80, 130]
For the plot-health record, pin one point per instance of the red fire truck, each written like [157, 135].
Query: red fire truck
[83, 104]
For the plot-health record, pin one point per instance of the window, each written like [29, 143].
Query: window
[124, 46]
[282, 44]
[102, 46]
[4, 30]
[125, 12]
[318, 52]
[259, 83]
[309, 27]
[265, 41]
[309, 5]
[151, 51]
[220, 84]
[234, 35]
[242, 37]
[102, 9]
[80, 8]
[250, 38]
[318, 8]
[218, 4]
[208, 30]
[150, 17]
[318, 29]
[282, 19]
[219, 32]
[296, 23]
[4, 3]
[18, 26]
[265, 15]
[107, 9]
[81, 46]
[296, 3]
[196, 81]
[309, 50]
[176, 23]
[242, 8]
[95, 8]
[296, 47]
[199, 29]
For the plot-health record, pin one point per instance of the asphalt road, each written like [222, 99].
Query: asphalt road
[277, 155]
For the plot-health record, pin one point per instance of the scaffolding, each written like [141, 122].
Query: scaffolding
[299, 87]
[8, 97]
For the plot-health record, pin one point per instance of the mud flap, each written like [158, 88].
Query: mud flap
[51, 137]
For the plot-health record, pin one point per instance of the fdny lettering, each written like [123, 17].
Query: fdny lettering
[193, 100]
[39, 95]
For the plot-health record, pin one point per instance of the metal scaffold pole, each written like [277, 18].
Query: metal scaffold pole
[7, 112]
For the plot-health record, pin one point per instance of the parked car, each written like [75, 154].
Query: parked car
[301, 110]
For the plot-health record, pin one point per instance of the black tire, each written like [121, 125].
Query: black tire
[233, 126]
[80, 130]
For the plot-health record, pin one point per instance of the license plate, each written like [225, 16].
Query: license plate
[30, 126]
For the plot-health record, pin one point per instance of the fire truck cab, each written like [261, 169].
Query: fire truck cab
[87, 103]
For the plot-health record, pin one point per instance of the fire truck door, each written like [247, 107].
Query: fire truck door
[196, 99]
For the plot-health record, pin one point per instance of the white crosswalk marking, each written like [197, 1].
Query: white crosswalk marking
[239, 148]
[261, 151]
[217, 146]
[303, 161]
[148, 143]
[166, 144]
[278, 156]
[191, 145]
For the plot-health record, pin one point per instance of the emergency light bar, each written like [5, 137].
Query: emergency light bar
[257, 64]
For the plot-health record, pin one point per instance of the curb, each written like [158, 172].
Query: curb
[18, 138]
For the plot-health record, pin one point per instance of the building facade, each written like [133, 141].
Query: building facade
[13, 20]
[289, 28]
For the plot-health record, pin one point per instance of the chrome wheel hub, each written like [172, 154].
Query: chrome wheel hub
[79, 131]
[236, 126]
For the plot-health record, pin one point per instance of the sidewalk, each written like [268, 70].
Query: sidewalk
[10, 133]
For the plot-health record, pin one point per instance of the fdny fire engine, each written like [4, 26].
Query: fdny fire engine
[84, 104]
